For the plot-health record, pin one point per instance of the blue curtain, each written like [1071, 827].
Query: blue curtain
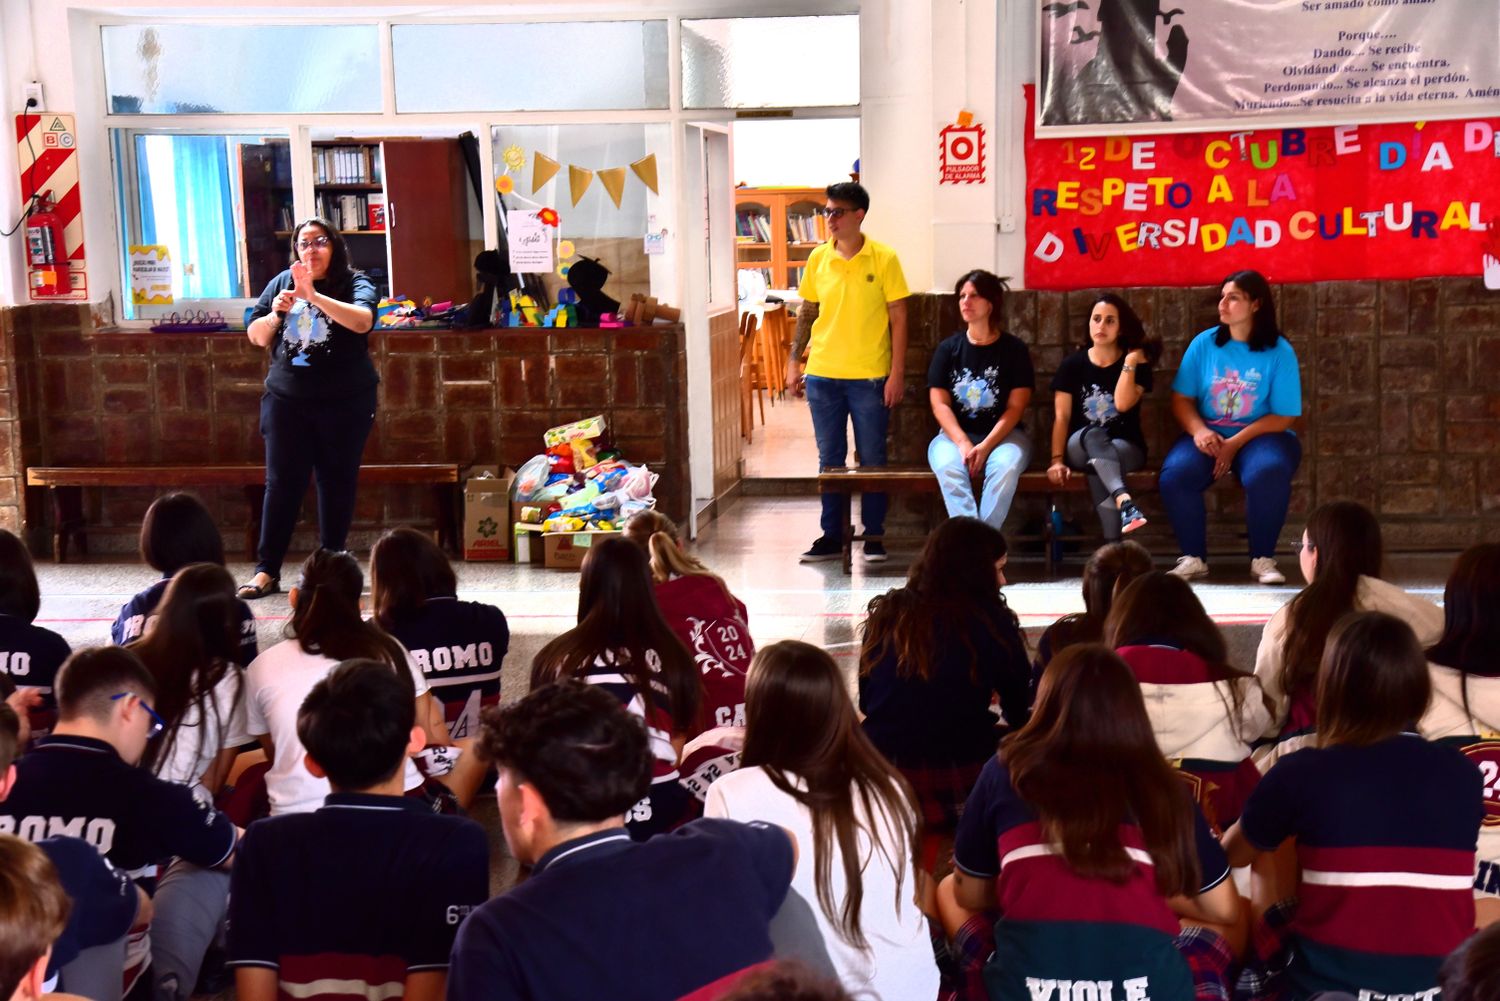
[205, 237]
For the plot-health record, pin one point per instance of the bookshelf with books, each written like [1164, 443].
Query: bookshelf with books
[775, 231]
[349, 191]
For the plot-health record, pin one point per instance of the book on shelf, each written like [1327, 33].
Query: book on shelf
[804, 227]
[375, 209]
[753, 226]
[346, 165]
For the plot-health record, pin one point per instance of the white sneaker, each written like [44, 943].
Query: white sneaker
[1263, 569]
[1189, 568]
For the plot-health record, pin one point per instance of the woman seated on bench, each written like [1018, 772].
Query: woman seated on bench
[1097, 423]
[979, 383]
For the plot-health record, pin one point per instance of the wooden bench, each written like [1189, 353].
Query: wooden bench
[66, 484]
[849, 480]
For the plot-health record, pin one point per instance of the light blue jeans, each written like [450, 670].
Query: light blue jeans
[1002, 471]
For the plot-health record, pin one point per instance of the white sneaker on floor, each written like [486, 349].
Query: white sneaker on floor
[1189, 568]
[1263, 569]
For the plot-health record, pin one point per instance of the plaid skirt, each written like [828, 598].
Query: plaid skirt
[942, 791]
[1263, 978]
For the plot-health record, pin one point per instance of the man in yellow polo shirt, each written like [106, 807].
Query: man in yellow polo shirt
[854, 313]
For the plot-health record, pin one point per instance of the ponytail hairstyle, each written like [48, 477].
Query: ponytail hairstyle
[326, 619]
[1089, 730]
[658, 536]
[189, 648]
[989, 287]
[1107, 572]
[801, 724]
[1132, 331]
[620, 624]
[1346, 538]
[406, 569]
[1374, 682]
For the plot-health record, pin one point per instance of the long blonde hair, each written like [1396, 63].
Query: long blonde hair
[658, 536]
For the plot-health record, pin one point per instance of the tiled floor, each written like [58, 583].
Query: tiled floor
[783, 445]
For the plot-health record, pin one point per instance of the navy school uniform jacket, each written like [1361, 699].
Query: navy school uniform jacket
[79, 787]
[138, 612]
[459, 645]
[104, 900]
[606, 917]
[29, 658]
[351, 898]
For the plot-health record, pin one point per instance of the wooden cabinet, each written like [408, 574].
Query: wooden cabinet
[775, 231]
[427, 213]
[266, 211]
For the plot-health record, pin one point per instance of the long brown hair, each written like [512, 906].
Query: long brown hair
[951, 589]
[1089, 731]
[1111, 567]
[189, 648]
[326, 618]
[801, 724]
[407, 568]
[1158, 608]
[1373, 683]
[1346, 537]
[620, 622]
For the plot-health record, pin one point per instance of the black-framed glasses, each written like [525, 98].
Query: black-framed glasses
[314, 241]
[157, 723]
[828, 213]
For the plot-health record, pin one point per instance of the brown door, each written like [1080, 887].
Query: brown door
[428, 220]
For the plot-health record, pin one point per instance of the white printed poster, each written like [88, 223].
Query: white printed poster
[530, 243]
[1207, 64]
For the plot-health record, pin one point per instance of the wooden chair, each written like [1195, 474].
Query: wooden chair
[749, 377]
[775, 341]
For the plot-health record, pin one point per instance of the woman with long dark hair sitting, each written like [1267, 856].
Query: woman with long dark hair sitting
[1109, 569]
[808, 768]
[1464, 666]
[1341, 557]
[1089, 846]
[935, 654]
[623, 645]
[1206, 714]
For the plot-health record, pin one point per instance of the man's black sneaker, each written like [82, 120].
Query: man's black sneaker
[875, 552]
[826, 548]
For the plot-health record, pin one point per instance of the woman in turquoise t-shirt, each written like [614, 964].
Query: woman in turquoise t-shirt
[1236, 395]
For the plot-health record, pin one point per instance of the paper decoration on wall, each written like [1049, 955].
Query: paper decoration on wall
[579, 179]
[514, 157]
[548, 217]
[565, 249]
[613, 179]
[645, 169]
[543, 168]
[505, 184]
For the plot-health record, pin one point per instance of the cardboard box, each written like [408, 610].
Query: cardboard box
[487, 513]
[566, 550]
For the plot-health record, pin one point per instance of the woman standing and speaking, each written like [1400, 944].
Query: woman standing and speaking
[319, 403]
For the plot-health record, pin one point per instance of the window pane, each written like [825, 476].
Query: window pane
[180, 69]
[577, 65]
[220, 204]
[770, 62]
[597, 229]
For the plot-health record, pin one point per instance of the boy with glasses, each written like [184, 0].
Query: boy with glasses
[853, 314]
[81, 781]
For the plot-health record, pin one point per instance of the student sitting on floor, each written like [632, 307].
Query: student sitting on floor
[710, 621]
[1464, 665]
[1108, 570]
[1204, 712]
[935, 654]
[808, 768]
[34, 911]
[682, 915]
[362, 896]
[623, 645]
[1341, 556]
[177, 531]
[1472, 971]
[82, 781]
[105, 902]
[1088, 843]
[326, 627]
[1384, 825]
[29, 654]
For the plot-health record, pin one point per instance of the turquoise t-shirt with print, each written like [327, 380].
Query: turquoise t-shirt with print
[1235, 386]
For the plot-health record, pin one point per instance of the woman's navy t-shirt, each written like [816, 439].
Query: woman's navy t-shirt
[1093, 390]
[980, 377]
[311, 355]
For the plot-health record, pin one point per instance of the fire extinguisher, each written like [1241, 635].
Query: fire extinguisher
[46, 253]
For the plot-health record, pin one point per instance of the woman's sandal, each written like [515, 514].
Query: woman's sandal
[251, 591]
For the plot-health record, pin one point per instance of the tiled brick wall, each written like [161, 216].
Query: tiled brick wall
[69, 395]
[1401, 401]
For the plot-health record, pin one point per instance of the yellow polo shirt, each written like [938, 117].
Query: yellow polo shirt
[851, 338]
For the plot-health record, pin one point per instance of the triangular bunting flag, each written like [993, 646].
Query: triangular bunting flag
[613, 179]
[579, 179]
[645, 169]
[542, 170]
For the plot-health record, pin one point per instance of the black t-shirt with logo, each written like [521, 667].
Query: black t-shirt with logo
[1093, 392]
[980, 377]
[311, 355]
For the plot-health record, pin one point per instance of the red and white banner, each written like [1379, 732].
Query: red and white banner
[47, 154]
[1355, 201]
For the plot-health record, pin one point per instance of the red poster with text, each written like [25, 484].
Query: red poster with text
[1408, 200]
